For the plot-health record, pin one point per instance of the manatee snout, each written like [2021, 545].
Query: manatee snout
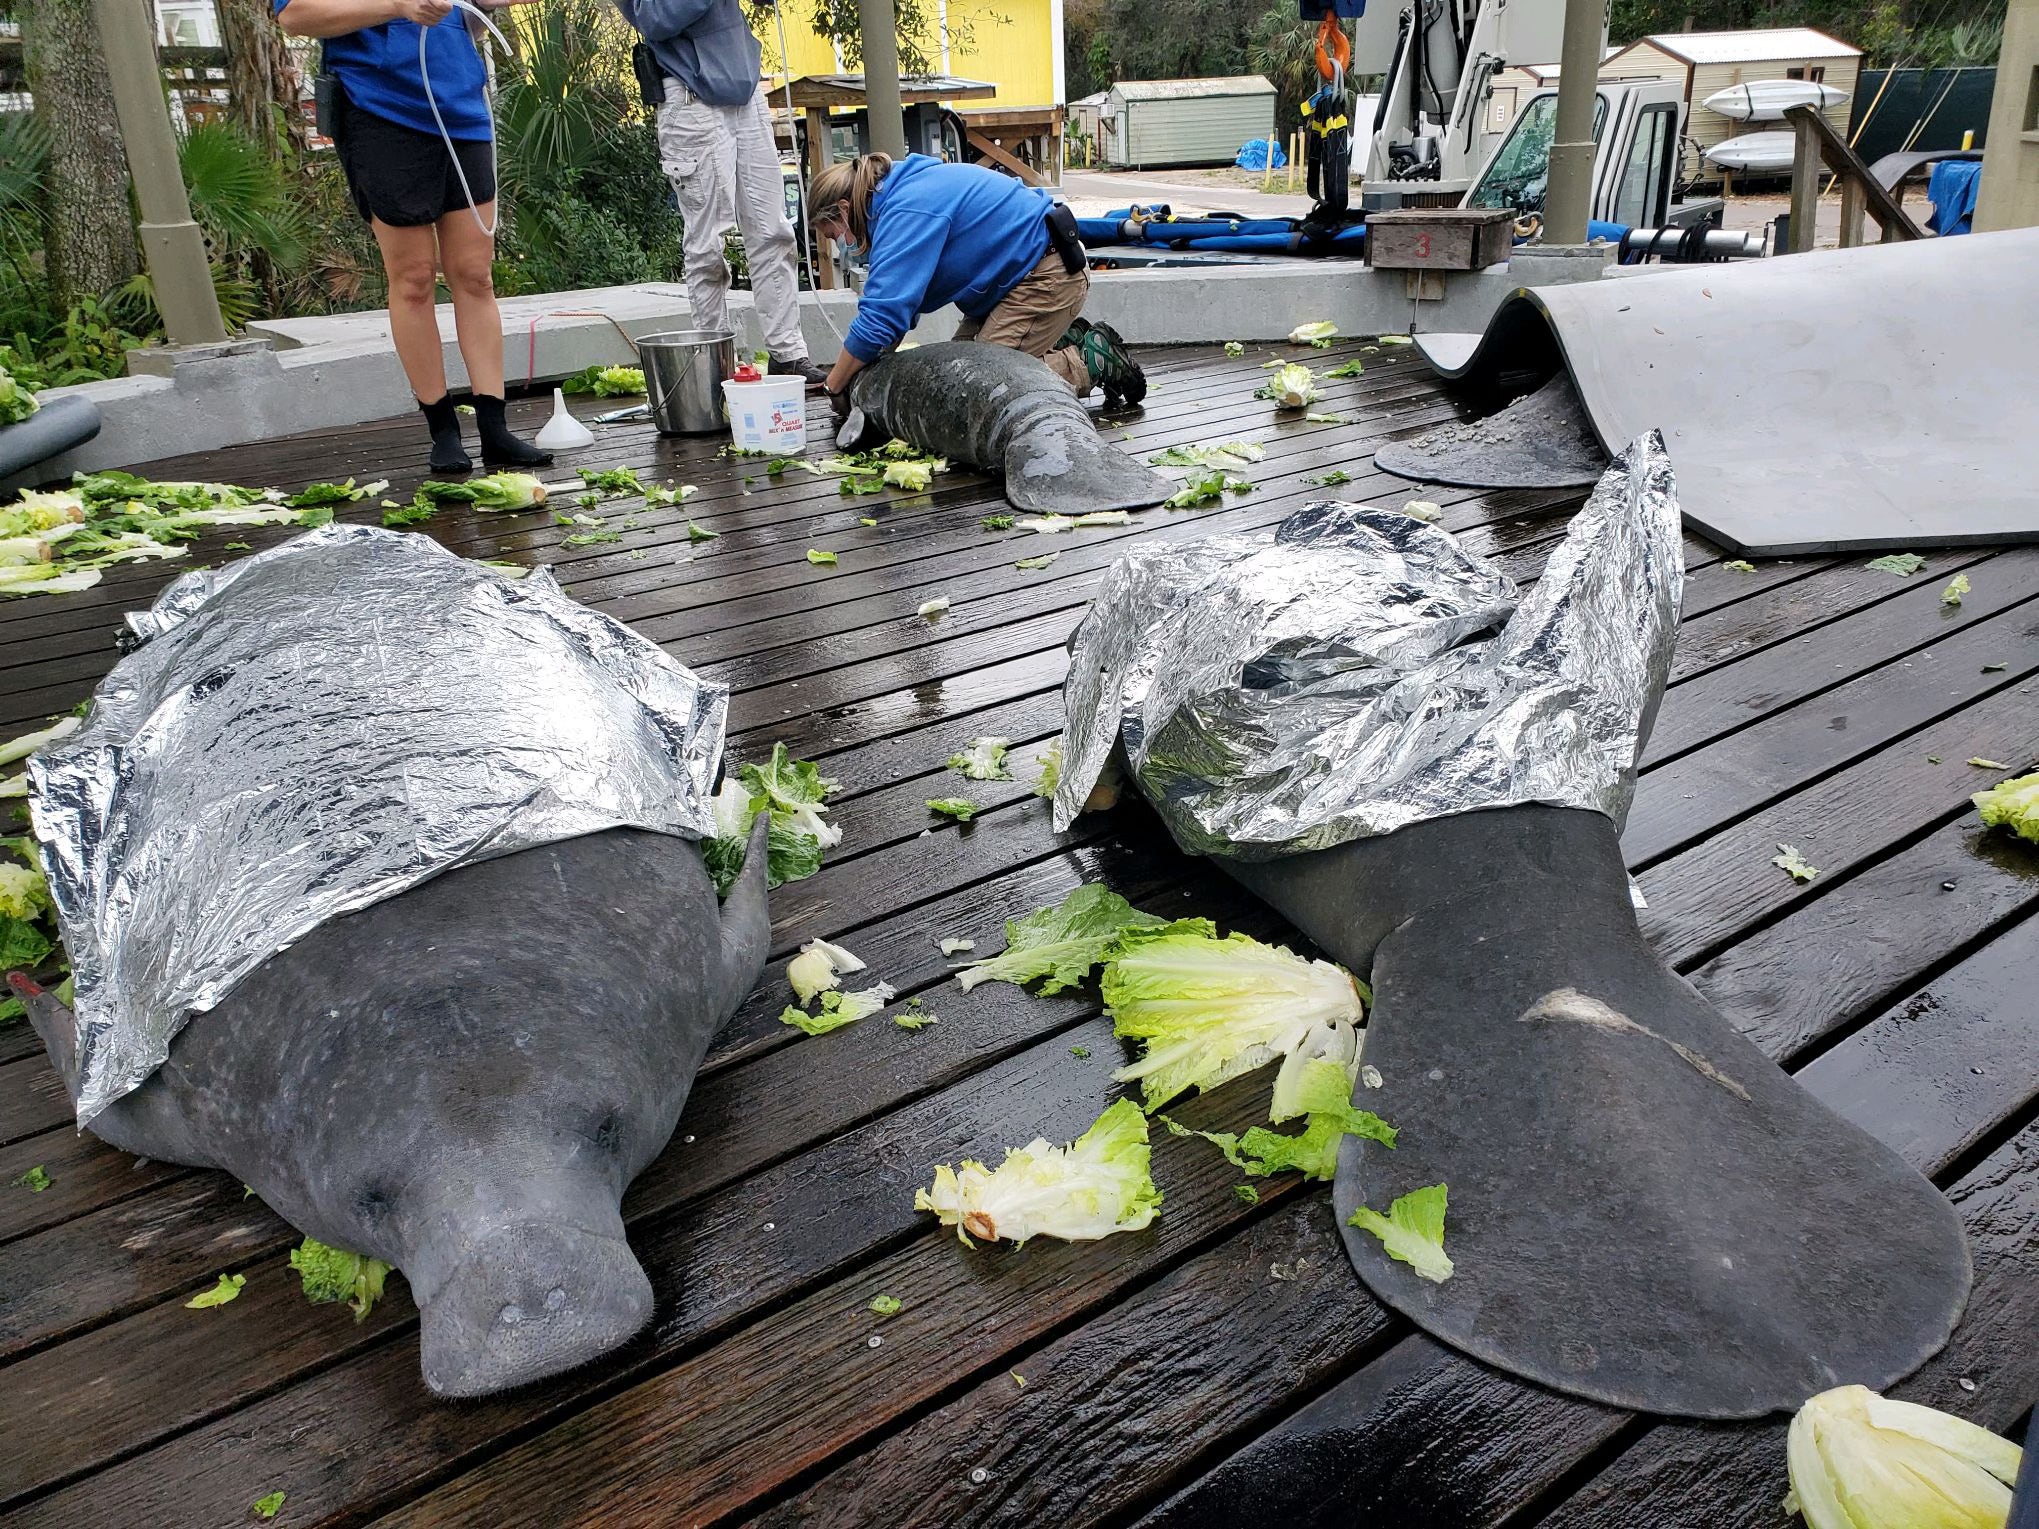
[531, 1300]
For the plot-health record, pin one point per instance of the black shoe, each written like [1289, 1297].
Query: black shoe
[1072, 337]
[448, 455]
[499, 448]
[800, 366]
[1112, 367]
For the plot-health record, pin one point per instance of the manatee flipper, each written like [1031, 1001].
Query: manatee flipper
[746, 923]
[145, 1122]
[1644, 1209]
[849, 436]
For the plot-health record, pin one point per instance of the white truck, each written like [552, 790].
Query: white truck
[1429, 145]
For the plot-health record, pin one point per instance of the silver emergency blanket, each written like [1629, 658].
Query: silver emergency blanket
[1357, 670]
[324, 725]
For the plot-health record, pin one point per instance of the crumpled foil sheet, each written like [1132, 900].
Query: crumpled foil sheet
[1357, 670]
[324, 725]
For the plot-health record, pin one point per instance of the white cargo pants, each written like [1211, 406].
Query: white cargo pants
[725, 172]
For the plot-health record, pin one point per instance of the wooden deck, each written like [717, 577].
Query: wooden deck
[1224, 1367]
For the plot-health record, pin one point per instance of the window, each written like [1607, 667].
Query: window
[1641, 200]
[1817, 72]
[1795, 72]
[1519, 173]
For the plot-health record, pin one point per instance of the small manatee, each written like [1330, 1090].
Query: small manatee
[463, 1079]
[1006, 412]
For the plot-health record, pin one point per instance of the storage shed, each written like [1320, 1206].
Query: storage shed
[1150, 123]
[1710, 62]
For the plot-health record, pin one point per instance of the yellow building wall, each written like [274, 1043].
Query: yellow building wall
[1011, 44]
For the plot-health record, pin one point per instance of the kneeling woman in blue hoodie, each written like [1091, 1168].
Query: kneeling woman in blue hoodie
[937, 233]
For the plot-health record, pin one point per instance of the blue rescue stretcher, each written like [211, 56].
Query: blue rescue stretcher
[1218, 233]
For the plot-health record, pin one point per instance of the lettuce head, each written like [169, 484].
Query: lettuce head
[1860, 1461]
[2013, 805]
[1208, 1010]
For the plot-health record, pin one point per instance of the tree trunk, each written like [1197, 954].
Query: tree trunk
[262, 83]
[89, 241]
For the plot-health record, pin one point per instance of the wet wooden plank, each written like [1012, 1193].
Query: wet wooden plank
[1840, 823]
[1814, 661]
[1791, 749]
[892, 698]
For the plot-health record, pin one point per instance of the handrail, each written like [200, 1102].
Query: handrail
[1817, 145]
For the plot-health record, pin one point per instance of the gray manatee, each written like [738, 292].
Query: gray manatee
[1006, 412]
[461, 1080]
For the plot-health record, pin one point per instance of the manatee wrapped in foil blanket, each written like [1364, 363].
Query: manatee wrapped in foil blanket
[1425, 771]
[319, 727]
[1357, 670]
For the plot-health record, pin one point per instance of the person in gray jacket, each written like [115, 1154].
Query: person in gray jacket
[715, 144]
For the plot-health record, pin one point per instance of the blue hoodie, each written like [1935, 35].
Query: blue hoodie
[940, 234]
[704, 44]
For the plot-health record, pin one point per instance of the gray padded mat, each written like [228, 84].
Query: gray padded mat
[1869, 398]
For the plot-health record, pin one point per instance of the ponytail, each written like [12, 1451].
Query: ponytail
[853, 181]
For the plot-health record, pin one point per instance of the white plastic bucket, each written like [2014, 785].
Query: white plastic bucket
[770, 415]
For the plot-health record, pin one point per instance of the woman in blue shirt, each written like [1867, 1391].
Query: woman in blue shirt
[408, 185]
[939, 233]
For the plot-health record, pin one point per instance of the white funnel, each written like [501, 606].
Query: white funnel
[563, 432]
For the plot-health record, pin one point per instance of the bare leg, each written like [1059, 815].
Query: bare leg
[410, 259]
[468, 254]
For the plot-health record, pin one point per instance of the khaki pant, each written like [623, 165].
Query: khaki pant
[1034, 315]
[725, 172]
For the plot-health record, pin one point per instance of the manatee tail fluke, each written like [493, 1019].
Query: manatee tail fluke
[746, 922]
[1063, 466]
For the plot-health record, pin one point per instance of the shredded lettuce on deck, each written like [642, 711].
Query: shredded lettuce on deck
[1293, 386]
[984, 759]
[1095, 1186]
[818, 968]
[794, 791]
[1412, 1231]
[333, 1274]
[1861, 1461]
[1059, 944]
[838, 1009]
[1324, 1094]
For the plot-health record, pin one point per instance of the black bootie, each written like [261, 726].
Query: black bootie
[448, 455]
[499, 448]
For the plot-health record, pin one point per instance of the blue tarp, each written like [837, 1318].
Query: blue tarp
[1253, 154]
[1256, 236]
[1951, 189]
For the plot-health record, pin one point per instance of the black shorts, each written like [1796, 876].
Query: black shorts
[405, 177]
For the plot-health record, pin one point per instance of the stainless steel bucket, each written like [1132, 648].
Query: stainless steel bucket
[684, 370]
